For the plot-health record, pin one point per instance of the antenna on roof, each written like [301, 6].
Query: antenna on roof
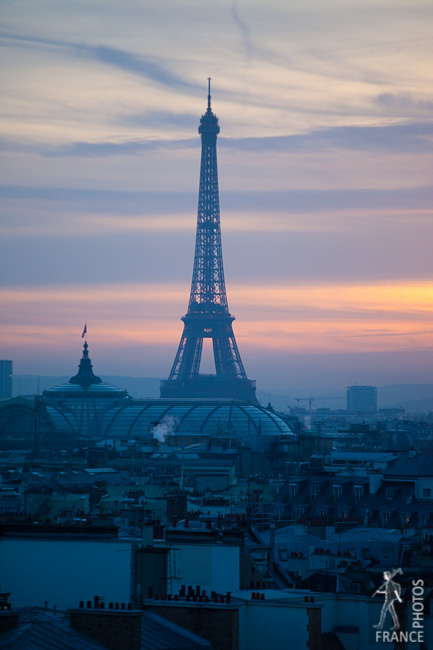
[208, 93]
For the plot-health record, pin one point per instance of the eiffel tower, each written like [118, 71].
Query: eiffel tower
[208, 314]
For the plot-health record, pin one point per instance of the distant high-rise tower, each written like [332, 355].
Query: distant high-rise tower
[362, 398]
[208, 313]
[5, 379]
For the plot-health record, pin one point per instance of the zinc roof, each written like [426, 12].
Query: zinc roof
[411, 465]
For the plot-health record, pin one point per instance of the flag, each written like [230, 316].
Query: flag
[84, 331]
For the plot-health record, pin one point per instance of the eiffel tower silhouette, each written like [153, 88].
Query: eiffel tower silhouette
[208, 313]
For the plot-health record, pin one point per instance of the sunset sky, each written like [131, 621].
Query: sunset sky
[325, 174]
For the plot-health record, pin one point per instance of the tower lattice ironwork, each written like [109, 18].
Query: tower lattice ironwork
[208, 313]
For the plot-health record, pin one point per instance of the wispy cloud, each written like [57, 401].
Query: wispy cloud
[404, 101]
[412, 137]
[138, 65]
[244, 31]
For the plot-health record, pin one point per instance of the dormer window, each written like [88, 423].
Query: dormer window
[358, 492]
[423, 518]
[293, 490]
[336, 491]
[299, 513]
[389, 494]
[386, 516]
[405, 518]
[314, 490]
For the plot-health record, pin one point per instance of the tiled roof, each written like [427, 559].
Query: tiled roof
[288, 535]
[46, 632]
[42, 630]
[159, 634]
[65, 502]
[411, 465]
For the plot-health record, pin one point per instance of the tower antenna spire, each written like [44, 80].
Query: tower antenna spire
[208, 93]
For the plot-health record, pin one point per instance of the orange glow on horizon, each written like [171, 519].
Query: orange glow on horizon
[299, 319]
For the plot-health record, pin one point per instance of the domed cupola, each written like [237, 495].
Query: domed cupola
[85, 377]
[79, 406]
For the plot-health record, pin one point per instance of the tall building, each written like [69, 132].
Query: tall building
[5, 379]
[362, 398]
[208, 315]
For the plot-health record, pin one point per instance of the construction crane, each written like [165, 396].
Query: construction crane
[310, 401]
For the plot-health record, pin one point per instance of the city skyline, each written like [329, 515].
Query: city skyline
[324, 162]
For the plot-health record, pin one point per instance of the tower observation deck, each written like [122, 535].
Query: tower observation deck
[208, 314]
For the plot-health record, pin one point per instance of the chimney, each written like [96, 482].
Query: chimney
[375, 482]
[113, 628]
[9, 620]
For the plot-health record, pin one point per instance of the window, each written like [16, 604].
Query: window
[426, 493]
[283, 555]
[358, 491]
[314, 490]
[293, 490]
[299, 513]
[336, 491]
[389, 494]
[386, 516]
[423, 518]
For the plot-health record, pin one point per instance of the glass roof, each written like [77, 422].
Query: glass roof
[194, 417]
